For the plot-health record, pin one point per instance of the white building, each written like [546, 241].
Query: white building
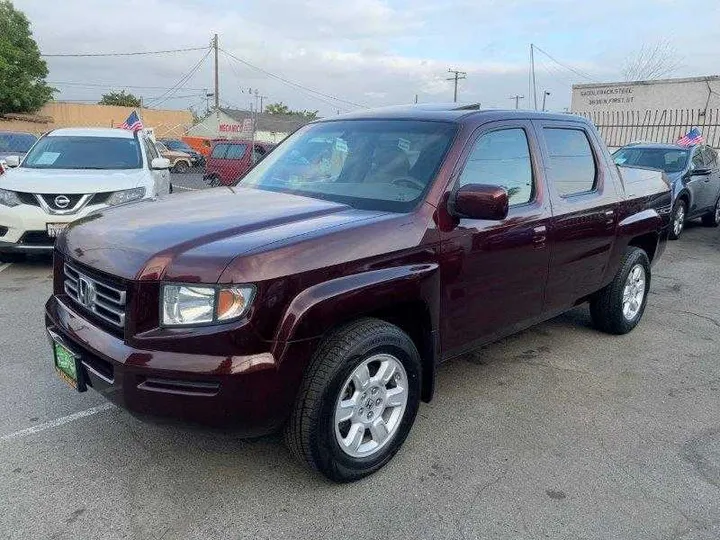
[236, 124]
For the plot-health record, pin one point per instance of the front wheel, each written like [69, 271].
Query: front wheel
[678, 219]
[180, 167]
[357, 402]
[618, 308]
[712, 219]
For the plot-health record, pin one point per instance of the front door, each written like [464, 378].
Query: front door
[494, 272]
[584, 212]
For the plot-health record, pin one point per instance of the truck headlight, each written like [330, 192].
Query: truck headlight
[188, 305]
[125, 196]
[9, 198]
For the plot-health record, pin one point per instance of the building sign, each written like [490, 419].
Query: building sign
[611, 95]
[245, 127]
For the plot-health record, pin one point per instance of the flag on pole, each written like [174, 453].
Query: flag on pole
[691, 138]
[133, 122]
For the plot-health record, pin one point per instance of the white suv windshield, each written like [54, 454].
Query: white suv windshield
[68, 152]
[370, 164]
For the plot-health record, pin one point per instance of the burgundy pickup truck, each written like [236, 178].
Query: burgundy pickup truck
[321, 293]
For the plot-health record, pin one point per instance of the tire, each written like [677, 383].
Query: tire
[312, 433]
[12, 257]
[608, 308]
[712, 219]
[677, 224]
[181, 167]
[170, 189]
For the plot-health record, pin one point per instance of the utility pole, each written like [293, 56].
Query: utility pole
[416, 96]
[217, 74]
[517, 98]
[457, 76]
[532, 74]
[545, 95]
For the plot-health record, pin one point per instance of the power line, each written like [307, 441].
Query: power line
[184, 79]
[291, 83]
[118, 85]
[570, 68]
[140, 53]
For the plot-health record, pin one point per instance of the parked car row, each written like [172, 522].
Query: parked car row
[693, 173]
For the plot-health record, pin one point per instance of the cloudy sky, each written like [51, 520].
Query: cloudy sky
[364, 52]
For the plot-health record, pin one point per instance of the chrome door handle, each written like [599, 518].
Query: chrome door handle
[539, 235]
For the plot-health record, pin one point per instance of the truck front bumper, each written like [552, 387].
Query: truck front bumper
[253, 393]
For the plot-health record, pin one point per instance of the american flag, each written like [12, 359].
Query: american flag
[691, 138]
[133, 122]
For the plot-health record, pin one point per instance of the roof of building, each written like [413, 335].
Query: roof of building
[92, 132]
[274, 123]
[709, 78]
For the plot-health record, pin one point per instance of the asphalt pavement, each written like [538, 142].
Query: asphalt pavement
[559, 432]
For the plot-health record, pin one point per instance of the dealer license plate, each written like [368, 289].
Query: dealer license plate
[68, 367]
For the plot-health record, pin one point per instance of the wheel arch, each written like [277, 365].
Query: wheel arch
[406, 296]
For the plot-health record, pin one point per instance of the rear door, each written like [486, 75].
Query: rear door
[584, 201]
[495, 272]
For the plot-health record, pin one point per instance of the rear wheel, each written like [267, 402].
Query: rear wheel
[712, 219]
[678, 219]
[618, 308]
[357, 402]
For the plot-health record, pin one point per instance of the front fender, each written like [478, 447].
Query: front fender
[323, 306]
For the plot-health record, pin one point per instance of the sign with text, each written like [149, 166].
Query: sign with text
[244, 127]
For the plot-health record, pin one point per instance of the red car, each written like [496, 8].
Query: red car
[323, 291]
[231, 159]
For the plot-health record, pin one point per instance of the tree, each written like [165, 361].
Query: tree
[655, 61]
[122, 99]
[22, 71]
[281, 108]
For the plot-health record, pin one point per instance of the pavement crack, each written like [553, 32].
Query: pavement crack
[705, 317]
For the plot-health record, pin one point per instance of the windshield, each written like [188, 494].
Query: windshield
[177, 145]
[16, 142]
[68, 152]
[369, 164]
[670, 160]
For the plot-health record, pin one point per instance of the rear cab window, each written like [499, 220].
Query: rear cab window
[572, 169]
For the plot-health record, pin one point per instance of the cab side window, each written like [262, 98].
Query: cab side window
[572, 165]
[502, 158]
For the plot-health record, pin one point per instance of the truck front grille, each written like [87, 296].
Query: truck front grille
[105, 301]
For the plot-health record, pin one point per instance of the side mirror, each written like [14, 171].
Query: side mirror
[12, 161]
[476, 201]
[160, 163]
[702, 171]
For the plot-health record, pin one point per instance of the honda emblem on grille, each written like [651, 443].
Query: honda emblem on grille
[61, 201]
[86, 292]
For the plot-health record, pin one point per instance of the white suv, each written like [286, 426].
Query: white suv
[69, 173]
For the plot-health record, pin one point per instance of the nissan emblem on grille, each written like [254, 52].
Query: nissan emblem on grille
[61, 201]
[86, 292]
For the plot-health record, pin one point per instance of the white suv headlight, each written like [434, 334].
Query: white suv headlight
[9, 198]
[125, 196]
[188, 305]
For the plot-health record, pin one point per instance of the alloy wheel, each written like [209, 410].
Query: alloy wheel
[679, 221]
[371, 405]
[634, 292]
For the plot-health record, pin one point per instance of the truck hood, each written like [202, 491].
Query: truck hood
[69, 181]
[193, 236]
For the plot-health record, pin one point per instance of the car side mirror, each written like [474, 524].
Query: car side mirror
[702, 171]
[160, 163]
[12, 161]
[477, 201]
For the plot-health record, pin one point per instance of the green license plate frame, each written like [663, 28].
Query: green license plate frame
[68, 365]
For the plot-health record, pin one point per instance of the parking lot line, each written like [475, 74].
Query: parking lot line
[185, 188]
[57, 422]
[5, 266]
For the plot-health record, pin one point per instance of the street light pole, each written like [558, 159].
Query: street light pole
[545, 95]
